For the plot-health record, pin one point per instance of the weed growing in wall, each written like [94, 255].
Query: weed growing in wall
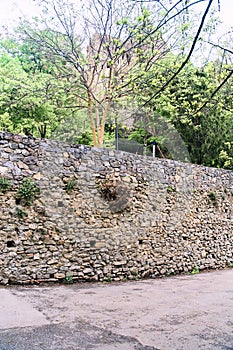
[5, 185]
[213, 197]
[171, 189]
[195, 271]
[71, 185]
[27, 192]
[108, 279]
[69, 279]
[20, 213]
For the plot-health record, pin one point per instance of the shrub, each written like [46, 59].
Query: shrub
[71, 185]
[5, 185]
[195, 271]
[212, 196]
[27, 192]
[21, 213]
[171, 189]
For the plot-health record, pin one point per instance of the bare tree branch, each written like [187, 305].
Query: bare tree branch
[188, 56]
[215, 92]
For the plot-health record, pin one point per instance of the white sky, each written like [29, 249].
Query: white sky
[11, 9]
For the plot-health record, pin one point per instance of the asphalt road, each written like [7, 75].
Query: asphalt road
[176, 313]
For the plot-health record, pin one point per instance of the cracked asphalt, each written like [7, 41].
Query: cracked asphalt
[177, 313]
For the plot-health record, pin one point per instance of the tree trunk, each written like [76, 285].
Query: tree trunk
[90, 115]
[42, 130]
[102, 125]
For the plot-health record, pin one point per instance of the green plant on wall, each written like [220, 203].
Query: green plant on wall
[69, 279]
[213, 197]
[135, 275]
[108, 279]
[171, 189]
[71, 185]
[27, 192]
[20, 213]
[5, 185]
[195, 270]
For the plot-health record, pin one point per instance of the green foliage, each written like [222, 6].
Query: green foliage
[50, 87]
[85, 138]
[32, 101]
[139, 135]
[108, 279]
[5, 185]
[226, 155]
[195, 270]
[207, 132]
[27, 192]
[171, 189]
[109, 134]
[212, 196]
[70, 185]
[20, 213]
[74, 128]
[69, 279]
[135, 275]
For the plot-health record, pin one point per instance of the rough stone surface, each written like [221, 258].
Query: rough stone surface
[103, 215]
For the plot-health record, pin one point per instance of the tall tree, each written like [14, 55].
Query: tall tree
[201, 116]
[31, 101]
[99, 45]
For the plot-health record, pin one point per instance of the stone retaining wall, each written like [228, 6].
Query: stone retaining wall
[103, 215]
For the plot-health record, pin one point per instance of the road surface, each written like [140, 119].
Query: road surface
[177, 313]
